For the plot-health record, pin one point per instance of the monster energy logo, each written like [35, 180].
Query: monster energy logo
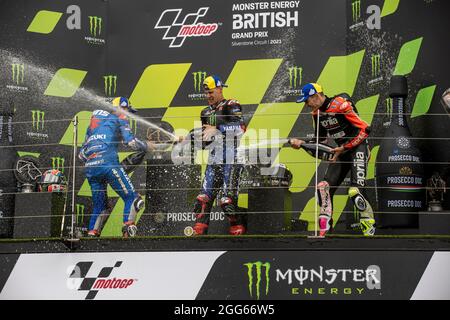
[80, 213]
[213, 119]
[389, 107]
[38, 119]
[133, 125]
[376, 65]
[356, 10]
[18, 71]
[110, 84]
[95, 25]
[58, 164]
[199, 77]
[295, 77]
[258, 267]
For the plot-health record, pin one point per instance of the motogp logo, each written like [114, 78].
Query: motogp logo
[178, 29]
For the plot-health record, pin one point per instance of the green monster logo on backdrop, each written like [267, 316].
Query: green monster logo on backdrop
[133, 125]
[18, 71]
[389, 107]
[110, 82]
[356, 10]
[251, 279]
[80, 213]
[95, 26]
[295, 77]
[199, 77]
[376, 65]
[58, 163]
[38, 119]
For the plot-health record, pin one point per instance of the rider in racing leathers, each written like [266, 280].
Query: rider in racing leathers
[338, 119]
[99, 152]
[222, 119]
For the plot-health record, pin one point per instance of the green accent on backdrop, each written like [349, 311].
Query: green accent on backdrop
[44, 22]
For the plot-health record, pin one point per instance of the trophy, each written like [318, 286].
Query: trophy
[161, 138]
[27, 173]
[435, 190]
[445, 100]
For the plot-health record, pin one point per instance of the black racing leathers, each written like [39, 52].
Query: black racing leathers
[223, 170]
[339, 120]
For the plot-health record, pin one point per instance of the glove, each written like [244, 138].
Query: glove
[138, 145]
[82, 155]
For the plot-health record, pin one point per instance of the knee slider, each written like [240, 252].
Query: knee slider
[357, 198]
[138, 204]
[203, 199]
[323, 185]
[226, 203]
[201, 203]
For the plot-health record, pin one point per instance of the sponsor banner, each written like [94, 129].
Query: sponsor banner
[81, 276]
[264, 23]
[435, 281]
[7, 263]
[190, 216]
[316, 275]
[250, 275]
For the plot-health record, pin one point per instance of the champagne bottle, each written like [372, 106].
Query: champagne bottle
[324, 151]
[399, 169]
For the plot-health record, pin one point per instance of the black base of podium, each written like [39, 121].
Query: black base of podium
[434, 222]
[38, 215]
[269, 211]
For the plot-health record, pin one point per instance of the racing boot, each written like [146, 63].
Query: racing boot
[202, 210]
[325, 225]
[93, 234]
[237, 230]
[200, 229]
[367, 226]
[237, 226]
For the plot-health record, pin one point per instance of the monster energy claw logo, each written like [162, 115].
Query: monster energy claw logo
[295, 77]
[58, 164]
[376, 65]
[80, 213]
[18, 71]
[110, 82]
[133, 125]
[199, 77]
[95, 25]
[389, 106]
[356, 10]
[258, 267]
[38, 119]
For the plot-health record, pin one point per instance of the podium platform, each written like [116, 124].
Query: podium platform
[434, 222]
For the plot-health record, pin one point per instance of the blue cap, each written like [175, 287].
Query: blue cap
[212, 82]
[309, 90]
[123, 103]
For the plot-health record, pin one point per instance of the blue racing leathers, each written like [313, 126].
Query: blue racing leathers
[99, 152]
